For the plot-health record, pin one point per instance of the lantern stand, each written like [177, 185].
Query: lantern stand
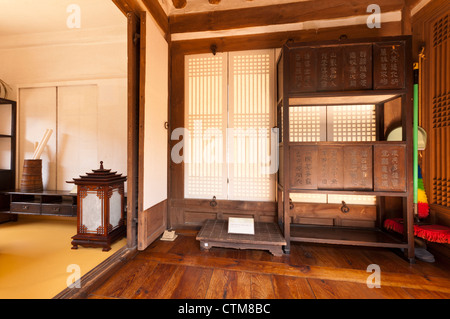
[100, 209]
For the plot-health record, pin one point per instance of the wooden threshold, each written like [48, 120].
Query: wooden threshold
[345, 236]
[97, 276]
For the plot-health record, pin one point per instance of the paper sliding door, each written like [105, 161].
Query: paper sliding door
[37, 113]
[88, 123]
[77, 132]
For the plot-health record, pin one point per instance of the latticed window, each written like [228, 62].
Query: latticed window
[229, 115]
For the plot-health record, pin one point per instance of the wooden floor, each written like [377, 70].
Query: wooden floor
[180, 270]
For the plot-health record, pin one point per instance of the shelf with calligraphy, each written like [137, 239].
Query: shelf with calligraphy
[346, 66]
[362, 86]
[367, 166]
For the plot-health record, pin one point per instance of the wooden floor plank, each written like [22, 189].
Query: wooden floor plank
[426, 294]
[188, 245]
[229, 285]
[127, 281]
[152, 286]
[286, 287]
[385, 258]
[170, 286]
[330, 289]
[322, 255]
[160, 246]
[190, 283]
[261, 286]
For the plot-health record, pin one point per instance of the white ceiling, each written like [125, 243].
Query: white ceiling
[38, 16]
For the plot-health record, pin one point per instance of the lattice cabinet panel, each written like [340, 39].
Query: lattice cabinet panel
[351, 123]
[308, 123]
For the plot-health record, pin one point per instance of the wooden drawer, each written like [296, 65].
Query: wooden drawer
[26, 208]
[66, 210]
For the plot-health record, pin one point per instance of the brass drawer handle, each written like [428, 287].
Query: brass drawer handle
[56, 209]
[291, 204]
[213, 203]
[25, 207]
[344, 208]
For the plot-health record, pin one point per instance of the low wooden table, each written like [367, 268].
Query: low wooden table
[267, 237]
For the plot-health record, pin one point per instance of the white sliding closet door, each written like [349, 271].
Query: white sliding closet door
[250, 117]
[206, 120]
[37, 113]
[229, 114]
[77, 133]
[89, 124]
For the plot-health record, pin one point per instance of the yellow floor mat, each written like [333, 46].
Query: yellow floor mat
[36, 257]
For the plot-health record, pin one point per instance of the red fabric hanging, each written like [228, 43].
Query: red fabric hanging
[432, 233]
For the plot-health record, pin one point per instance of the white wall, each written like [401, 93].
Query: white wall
[74, 57]
[156, 110]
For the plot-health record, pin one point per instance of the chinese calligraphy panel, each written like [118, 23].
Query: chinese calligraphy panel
[357, 67]
[303, 76]
[304, 167]
[358, 167]
[389, 65]
[389, 168]
[331, 169]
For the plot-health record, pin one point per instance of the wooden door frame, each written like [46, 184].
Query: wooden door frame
[94, 278]
[135, 82]
[136, 39]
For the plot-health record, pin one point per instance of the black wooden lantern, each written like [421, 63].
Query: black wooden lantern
[100, 209]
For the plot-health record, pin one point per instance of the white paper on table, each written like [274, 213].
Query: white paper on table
[241, 226]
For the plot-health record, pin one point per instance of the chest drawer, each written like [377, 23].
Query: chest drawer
[65, 210]
[31, 208]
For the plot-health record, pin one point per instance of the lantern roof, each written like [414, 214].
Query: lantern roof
[99, 176]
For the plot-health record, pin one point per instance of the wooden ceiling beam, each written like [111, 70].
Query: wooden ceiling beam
[179, 4]
[158, 13]
[128, 6]
[411, 3]
[123, 6]
[275, 14]
[153, 7]
[276, 40]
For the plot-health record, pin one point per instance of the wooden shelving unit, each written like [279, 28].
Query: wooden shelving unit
[52, 203]
[338, 73]
[8, 113]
